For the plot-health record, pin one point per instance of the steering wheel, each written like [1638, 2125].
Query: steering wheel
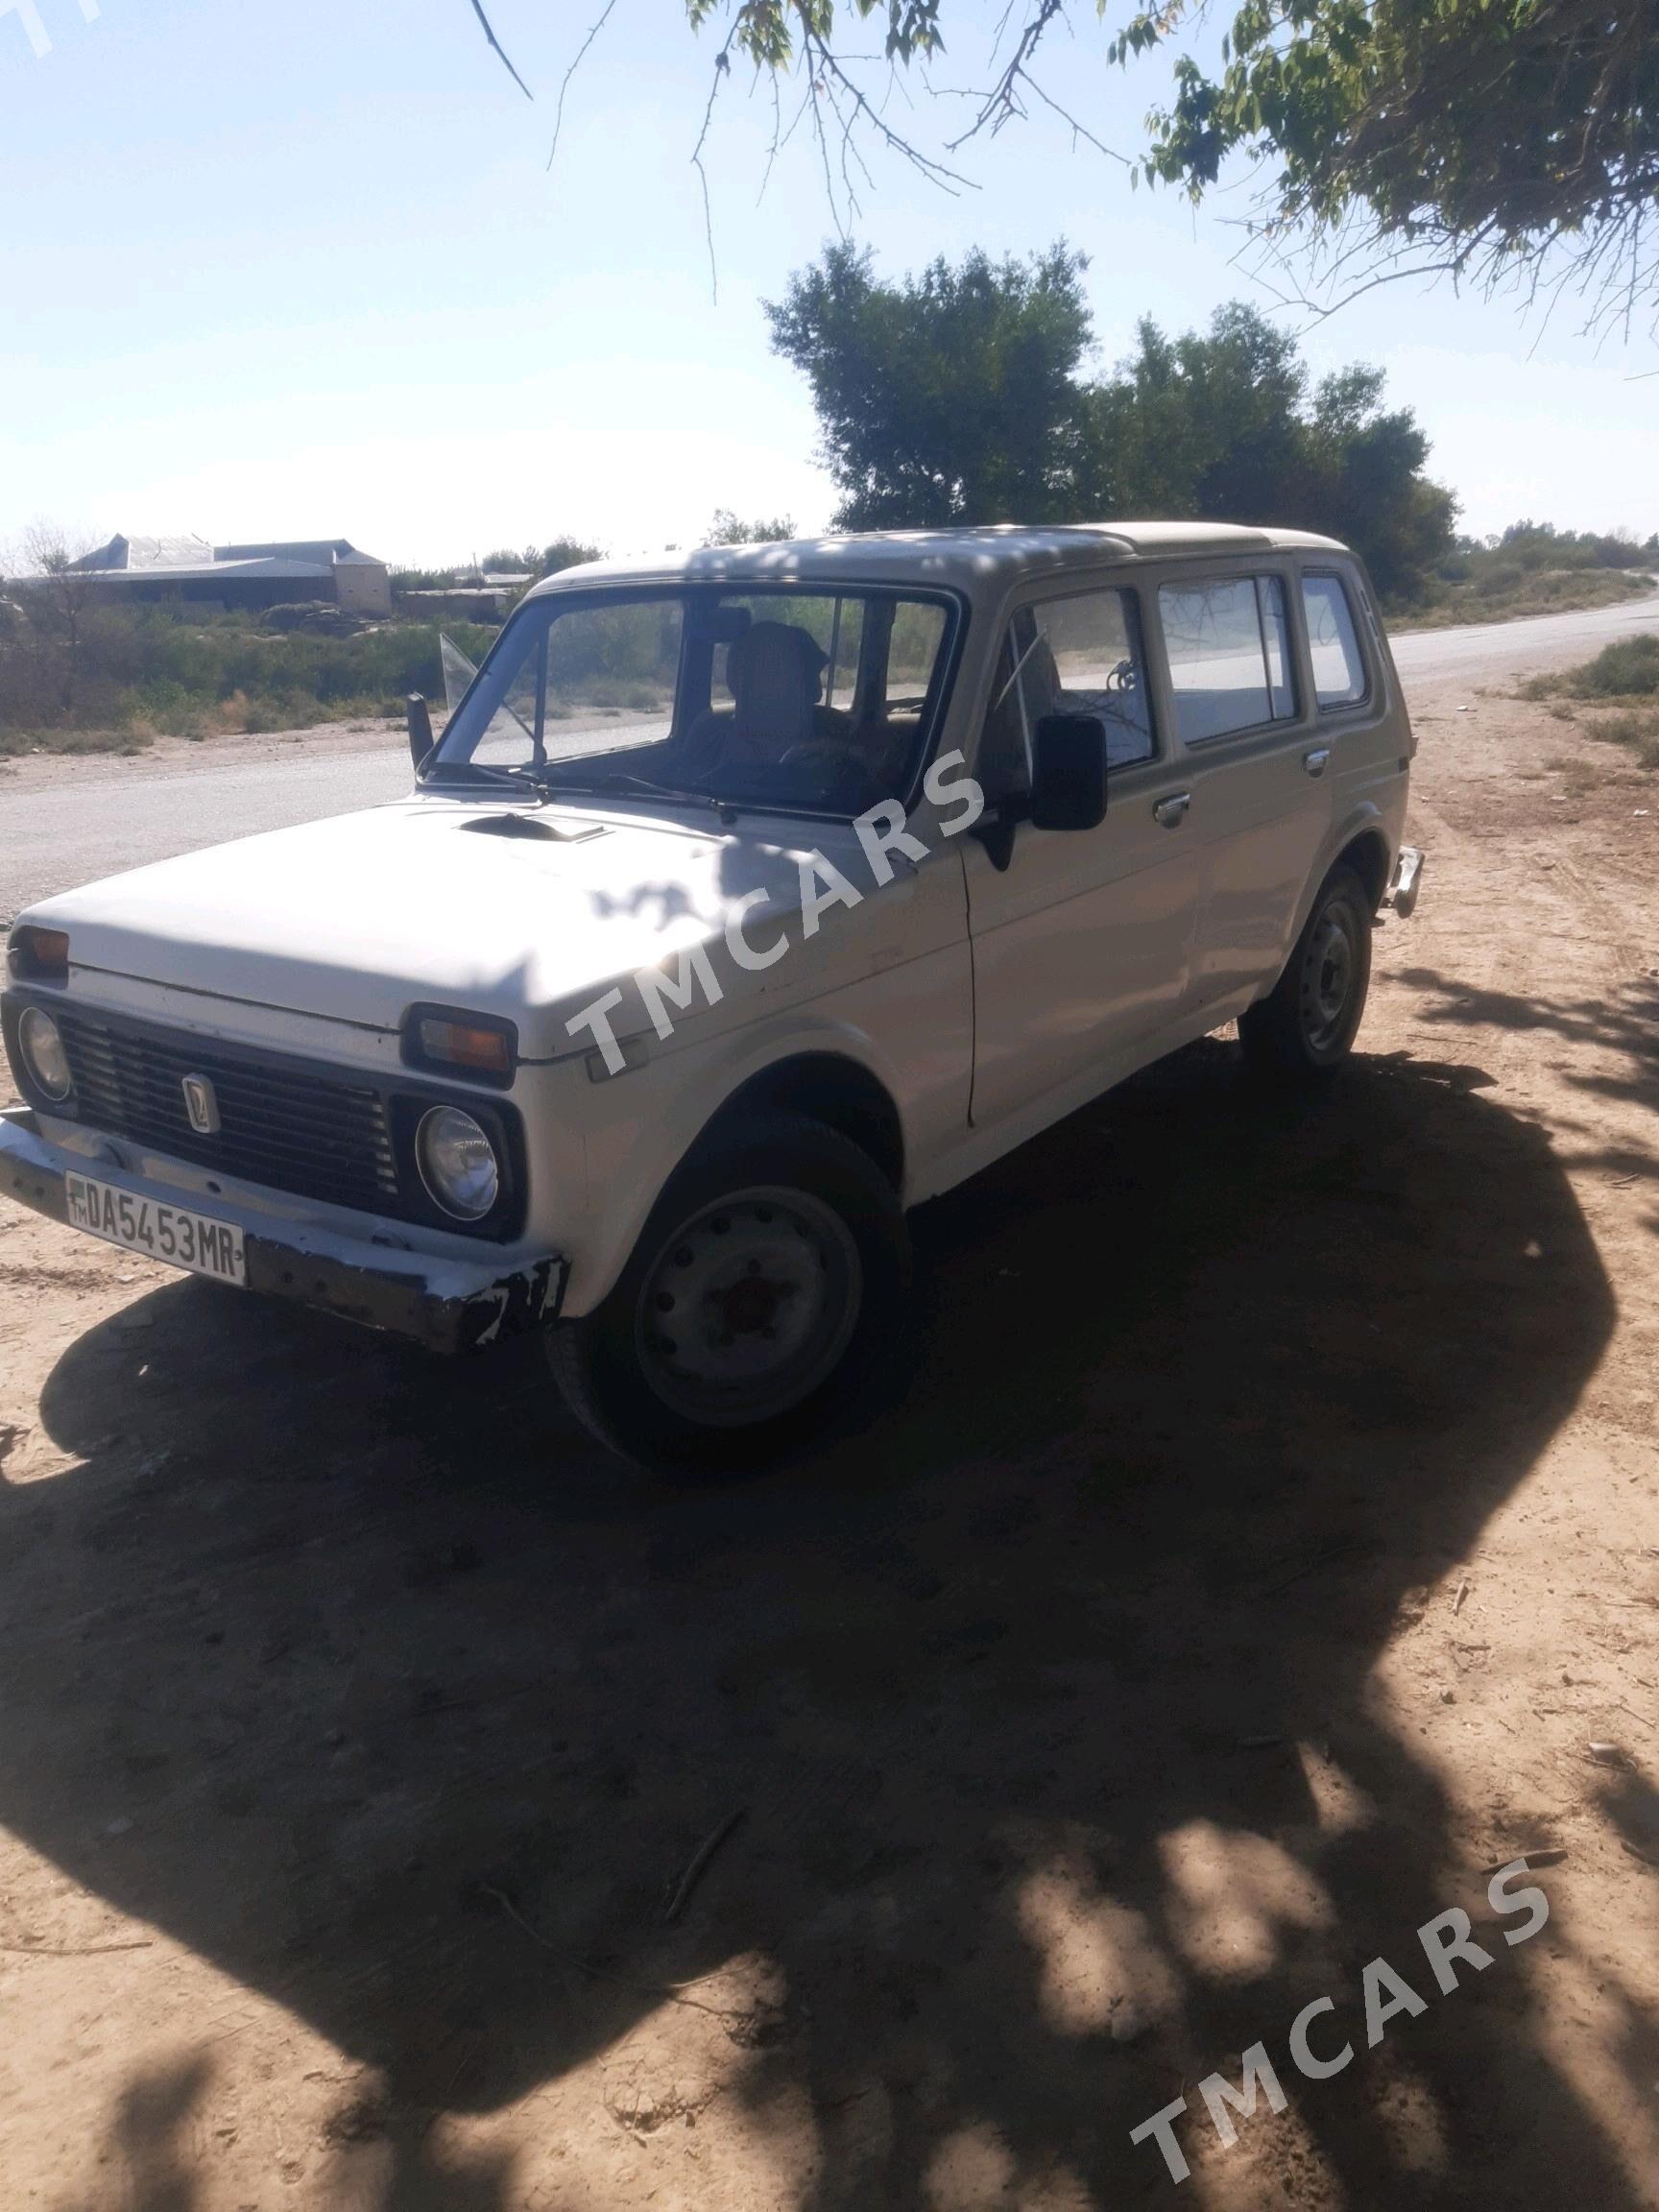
[826, 748]
[817, 766]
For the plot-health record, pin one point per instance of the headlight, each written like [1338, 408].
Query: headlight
[43, 1054]
[457, 1162]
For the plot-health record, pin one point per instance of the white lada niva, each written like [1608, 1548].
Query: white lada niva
[749, 897]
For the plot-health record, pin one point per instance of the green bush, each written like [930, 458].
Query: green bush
[1499, 578]
[1627, 671]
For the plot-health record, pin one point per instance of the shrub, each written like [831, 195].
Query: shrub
[182, 672]
[1627, 671]
[1637, 731]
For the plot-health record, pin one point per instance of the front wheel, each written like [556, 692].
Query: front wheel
[1305, 1028]
[764, 1293]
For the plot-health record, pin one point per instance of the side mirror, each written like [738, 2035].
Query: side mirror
[419, 716]
[1069, 772]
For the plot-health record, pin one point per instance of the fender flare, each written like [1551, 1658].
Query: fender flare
[1364, 818]
[689, 1110]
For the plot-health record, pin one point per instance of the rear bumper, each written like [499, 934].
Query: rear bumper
[1407, 881]
[445, 1304]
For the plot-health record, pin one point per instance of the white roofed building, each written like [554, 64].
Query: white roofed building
[277, 573]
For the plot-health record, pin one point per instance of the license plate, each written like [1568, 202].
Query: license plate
[170, 1233]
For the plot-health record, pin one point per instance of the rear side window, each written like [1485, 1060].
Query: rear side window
[1332, 640]
[1229, 649]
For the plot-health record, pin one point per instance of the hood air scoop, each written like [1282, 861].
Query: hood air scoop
[534, 826]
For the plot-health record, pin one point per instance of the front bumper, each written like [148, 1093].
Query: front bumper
[445, 1304]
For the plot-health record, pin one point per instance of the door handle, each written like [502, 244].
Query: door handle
[1171, 812]
[1315, 762]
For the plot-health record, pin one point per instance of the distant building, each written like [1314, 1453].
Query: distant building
[271, 575]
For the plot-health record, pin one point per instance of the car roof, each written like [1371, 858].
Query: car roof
[995, 555]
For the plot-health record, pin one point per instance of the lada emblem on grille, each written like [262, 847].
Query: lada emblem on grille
[202, 1105]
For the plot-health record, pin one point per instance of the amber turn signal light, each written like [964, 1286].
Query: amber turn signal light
[38, 955]
[445, 1038]
[466, 1046]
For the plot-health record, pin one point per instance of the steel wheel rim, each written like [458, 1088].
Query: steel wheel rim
[1330, 971]
[747, 1307]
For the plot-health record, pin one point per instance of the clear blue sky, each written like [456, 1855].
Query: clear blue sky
[301, 269]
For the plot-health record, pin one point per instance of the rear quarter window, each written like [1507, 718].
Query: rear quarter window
[1228, 647]
[1339, 677]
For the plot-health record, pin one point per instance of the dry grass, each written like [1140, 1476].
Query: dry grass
[238, 716]
[1637, 729]
[14, 744]
[1537, 591]
[1616, 699]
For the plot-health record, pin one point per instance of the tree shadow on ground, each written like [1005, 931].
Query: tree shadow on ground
[1047, 1697]
[1623, 1027]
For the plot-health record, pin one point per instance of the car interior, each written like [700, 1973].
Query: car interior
[752, 722]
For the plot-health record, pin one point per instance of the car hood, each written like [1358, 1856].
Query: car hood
[519, 911]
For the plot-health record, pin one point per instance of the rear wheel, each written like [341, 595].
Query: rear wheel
[1305, 1028]
[765, 1290]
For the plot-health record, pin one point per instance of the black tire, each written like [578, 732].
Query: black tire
[1305, 1028]
[829, 1212]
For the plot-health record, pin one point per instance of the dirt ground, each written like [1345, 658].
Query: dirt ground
[1266, 1533]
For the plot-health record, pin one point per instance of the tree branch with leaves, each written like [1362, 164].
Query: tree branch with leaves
[1486, 140]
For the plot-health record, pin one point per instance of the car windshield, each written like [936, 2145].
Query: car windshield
[814, 701]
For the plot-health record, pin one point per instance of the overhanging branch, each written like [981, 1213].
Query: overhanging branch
[489, 34]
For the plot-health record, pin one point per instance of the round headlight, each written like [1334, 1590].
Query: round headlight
[43, 1054]
[457, 1162]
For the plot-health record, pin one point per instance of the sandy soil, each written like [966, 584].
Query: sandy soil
[1266, 1533]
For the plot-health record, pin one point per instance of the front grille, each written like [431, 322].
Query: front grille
[317, 1134]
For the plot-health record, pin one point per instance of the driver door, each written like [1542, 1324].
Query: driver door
[1083, 943]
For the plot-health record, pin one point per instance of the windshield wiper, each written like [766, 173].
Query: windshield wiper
[646, 787]
[466, 772]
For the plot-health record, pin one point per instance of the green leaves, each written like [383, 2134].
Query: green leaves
[1500, 124]
[957, 395]
[948, 396]
[1493, 129]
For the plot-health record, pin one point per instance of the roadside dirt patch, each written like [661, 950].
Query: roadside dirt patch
[1268, 1530]
[97, 772]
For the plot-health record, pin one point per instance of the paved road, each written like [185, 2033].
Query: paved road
[75, 832]
[98, 822]
[1488, 652]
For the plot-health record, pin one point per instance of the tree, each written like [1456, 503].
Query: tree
[509, 561]
[1519, 138]
[958, 397]
[728, 529]
[60, 589]
[1366, 482]
[1461, 136]
[947, 398]
[563, 553]
[1204, 426]
[1224, 425]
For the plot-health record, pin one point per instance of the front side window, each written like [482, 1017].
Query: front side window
[798, 700]
[1338, 665]
[1228, 644]
[1080, 655]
